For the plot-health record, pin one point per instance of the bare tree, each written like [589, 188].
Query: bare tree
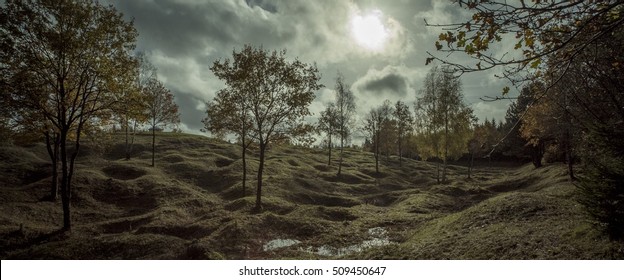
[228, 113]
[327, 124]
[345, 112]
[162, 110]
[372, 126]
[404, 125]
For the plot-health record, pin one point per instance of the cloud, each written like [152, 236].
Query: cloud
[393, 83]
[184, 37]
[191, 110]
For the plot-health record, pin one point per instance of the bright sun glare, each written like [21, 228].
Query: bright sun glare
[368, 31]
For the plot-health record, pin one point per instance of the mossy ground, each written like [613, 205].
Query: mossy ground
[190, 206]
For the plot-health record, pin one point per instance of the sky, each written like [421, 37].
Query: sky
[379, 46]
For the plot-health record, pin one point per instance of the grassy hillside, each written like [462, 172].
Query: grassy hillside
[190, 207]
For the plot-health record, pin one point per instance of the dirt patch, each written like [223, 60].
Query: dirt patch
[124, 172]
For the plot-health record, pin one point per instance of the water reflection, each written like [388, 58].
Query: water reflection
[378, 237]
[279, 243]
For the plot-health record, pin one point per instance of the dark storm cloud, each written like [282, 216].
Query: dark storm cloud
[391, 82]
[179, 29]
[191, 111]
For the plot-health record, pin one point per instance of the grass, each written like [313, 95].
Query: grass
[190, 206]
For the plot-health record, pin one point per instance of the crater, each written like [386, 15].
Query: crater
[123, 172]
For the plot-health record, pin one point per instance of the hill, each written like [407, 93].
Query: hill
[190, 206]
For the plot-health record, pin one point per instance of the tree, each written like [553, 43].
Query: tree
[372, 126]
[71, 51]
[161, 108]
[446, 117]
[131, 109]
[387, 127]
[556, 43]
[327, 124]
[345, 111]
[553, 31]
[404, 125]
[276, 93]
[228, 113]
[513, 143]
[485, 138]
[546, 123]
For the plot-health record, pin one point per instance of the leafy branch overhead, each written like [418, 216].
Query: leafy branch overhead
[545, 33]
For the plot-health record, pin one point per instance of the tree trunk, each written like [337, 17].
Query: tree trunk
[377, 154]
[153, 144]
[536, 155]
[570, 165]
[446, 136]
[400, 152]
[65, 197]
[52, 145]
[569, 157]
[444, 170]
[471, 164]
[329, 145]
[438, 172]
[244, 166]
[127, 150]
[341, 150]
[260, 169]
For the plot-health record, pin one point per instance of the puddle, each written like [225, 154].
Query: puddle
[378, 237]
[279, 243]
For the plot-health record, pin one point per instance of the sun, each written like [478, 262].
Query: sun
[369, 31]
